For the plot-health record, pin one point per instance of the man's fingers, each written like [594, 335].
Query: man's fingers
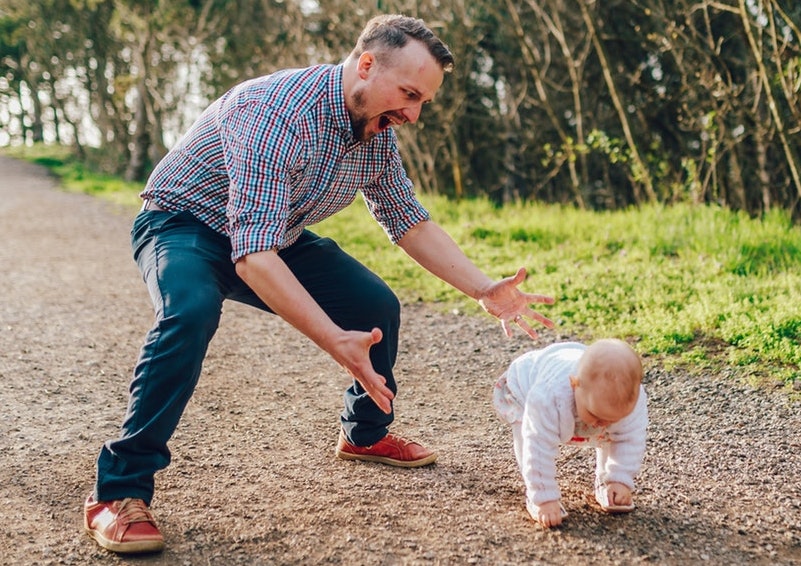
[375, 336]
[375, 384]
[383, 403]
[380, 394]
[376, 387]
[383, 398]
[544, 320]
[545, 299]
[526, 327]
[521, 322]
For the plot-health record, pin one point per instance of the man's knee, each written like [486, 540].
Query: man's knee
[193, 312]
[386, 304]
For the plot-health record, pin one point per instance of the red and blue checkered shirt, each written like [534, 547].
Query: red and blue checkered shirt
[277, 154]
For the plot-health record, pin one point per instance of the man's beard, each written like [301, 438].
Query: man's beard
[358, 121]
[358, 126]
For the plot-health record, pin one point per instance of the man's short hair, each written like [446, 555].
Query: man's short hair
[393, 31]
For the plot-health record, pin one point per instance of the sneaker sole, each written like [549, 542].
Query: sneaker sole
[388, 461]
[137, 547]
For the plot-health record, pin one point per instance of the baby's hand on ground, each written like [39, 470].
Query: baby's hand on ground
[550, 514]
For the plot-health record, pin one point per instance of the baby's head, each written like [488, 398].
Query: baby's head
[607, 383]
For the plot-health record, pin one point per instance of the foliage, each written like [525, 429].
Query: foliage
[597, 104]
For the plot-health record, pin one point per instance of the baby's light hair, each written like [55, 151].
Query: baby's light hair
[612, 370]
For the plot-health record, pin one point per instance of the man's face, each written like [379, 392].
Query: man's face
[392, 93]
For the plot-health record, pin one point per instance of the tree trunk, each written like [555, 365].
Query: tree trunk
[137, 164]
[641, 173]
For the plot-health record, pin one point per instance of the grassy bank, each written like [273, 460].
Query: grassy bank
[693, 285]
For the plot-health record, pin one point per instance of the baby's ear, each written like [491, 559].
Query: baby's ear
[574, 382]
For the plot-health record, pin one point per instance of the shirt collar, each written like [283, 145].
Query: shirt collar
[339, 111]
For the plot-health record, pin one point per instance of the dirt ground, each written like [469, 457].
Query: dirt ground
[254, 479]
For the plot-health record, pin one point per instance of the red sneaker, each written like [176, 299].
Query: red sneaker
[393, 450]
[123, 525]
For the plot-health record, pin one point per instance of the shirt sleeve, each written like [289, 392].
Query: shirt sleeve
[391, 199]
[541, 440]
[258, 160]
[625, 452]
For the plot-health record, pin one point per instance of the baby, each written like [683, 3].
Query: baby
[570, 393]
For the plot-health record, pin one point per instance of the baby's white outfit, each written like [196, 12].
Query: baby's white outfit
[535, 397]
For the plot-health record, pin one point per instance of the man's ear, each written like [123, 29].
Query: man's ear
[365, 64]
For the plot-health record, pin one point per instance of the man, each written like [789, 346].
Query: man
[224, 218]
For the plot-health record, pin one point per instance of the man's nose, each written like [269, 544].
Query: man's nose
[412, 113]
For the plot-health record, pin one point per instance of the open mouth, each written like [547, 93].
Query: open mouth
[387, 120]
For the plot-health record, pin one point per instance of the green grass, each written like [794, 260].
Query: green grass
[75, 176]
[702, 287]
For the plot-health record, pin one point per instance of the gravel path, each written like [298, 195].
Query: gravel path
[253, 478]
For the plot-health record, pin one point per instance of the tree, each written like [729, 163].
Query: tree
[598, 104]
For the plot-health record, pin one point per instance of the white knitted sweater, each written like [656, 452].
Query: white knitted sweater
[535, 397]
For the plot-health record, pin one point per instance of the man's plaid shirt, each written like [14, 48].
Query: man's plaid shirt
[277, 154]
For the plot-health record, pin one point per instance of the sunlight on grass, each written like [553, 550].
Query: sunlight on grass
[680, 281]
[695, 285]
